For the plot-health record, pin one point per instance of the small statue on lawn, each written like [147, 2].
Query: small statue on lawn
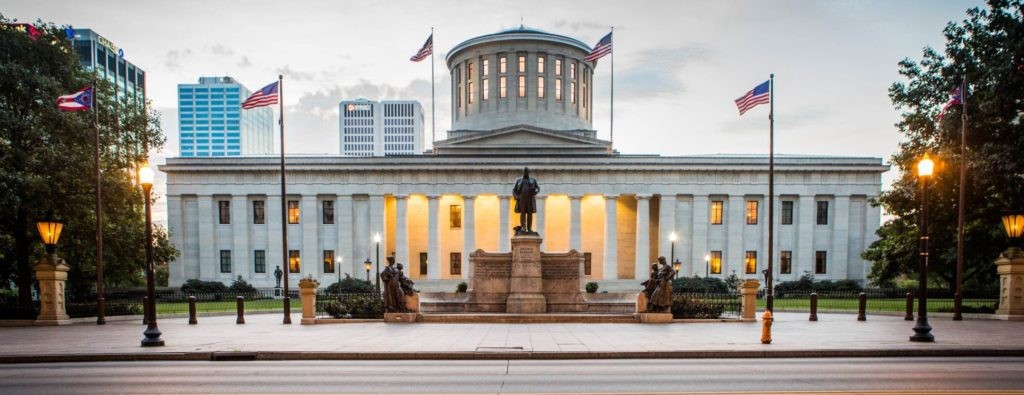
[278, 274]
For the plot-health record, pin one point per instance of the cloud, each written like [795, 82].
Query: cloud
[218, 49]
[297, 75]
[575, 26]
[659, 71]
[244, 62]
[173, 58]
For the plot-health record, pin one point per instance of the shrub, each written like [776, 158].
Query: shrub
[462, 287]
[687, 307]
[591, 287]
[700, 285]
[356, 306]
[732, 282]
[195, 286]
[241, 287]
[350, 285]
[806, 283]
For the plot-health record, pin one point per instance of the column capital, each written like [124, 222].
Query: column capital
[469, 197]
[401, 196]
[433, 197]
[608, 196]
[575, 197]
[643, 196]
[541, 197]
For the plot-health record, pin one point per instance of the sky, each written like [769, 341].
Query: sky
[679, 65]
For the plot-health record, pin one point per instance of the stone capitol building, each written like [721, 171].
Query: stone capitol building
[520, 97]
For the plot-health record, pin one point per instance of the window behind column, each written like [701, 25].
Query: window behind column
[455, 216]
[259, 261]
[787, 212]
[423, 264]
[225, 261]
[751, 212]
[259, 212]
[586, 263]
[294, 261]
[820, 262]
[224, 211]
[750, 263]
[328, 261]
[293, 211]
[716, 212]
[716, 262]
[822, 213]
[456, 264]
[786, 262]
[328, 212]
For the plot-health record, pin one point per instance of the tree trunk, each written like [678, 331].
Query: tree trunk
[22, 248]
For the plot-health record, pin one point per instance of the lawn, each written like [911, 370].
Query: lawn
[888, 304]
[163, 307]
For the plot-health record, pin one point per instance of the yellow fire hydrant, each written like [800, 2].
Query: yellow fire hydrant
[766, 327]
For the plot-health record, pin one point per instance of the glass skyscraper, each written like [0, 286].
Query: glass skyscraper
[99, 54]
[211, 121]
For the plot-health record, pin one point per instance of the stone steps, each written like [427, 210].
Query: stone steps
[549, 318]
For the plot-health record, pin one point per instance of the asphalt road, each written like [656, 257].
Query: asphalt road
[945, 375]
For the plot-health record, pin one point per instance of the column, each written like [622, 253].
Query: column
[538, 221]
[837, 265]
[735, 220]
[611, 234]
[402, 231]
[468, 233]
[207, 243]
[175, 226]
[804, 259]
[361, 234]
[575, 232]
[504, 227]
[241, 262]
[377, 226]
[275, 257]
[433, 238]
[872, 219]
[643, 238]
[667, 225]
[351, 263]
[699, 224]
[309, 216]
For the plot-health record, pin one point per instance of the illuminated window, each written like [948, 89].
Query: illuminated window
[225, 261]
[787, 212]
[293, 211]
[584, 93]
[294, 261]
[540, 87]
[224, 209]
[572, 70]
[458, 86]
[558, 66]
[469, 83]
[586, 261]
[423, 264]
[502, 66]
[750, 263]
[485, 67]
[259, 212]
[455, 263]
[487, 90]
[328, 261]
[716, 262]
[472, 93]
[522, 86]
[822, 213]
[259, 258]
[522, 63]
[716, 212]
[820, 262]
[572, 92]
[328, 212]
[751, 212]
[786, 262]
[502, 88]
[455, 216]
[540, 64]
[558, 89]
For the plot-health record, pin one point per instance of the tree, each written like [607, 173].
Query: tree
[987, 48]
[47, 165]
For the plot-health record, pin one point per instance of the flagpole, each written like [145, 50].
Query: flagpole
[433, 110]
[771, 191]
[958, 299]
[284, 205]
[611, 122]
[100, 300]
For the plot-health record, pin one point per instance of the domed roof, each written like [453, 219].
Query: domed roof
[518, 33]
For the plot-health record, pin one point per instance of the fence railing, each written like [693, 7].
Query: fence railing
[704, 305]
[881, 300]
[349, 305]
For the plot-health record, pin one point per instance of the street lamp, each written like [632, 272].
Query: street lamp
[672, 238]
[368, 264]
[707, 265]
[922, 331]
[676, 265]
[376, 239]
[152, 332]
[49, 231]
[1013, 224]
[337, 265]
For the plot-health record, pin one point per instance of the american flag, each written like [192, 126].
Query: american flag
[78, 101]
[427, 50]
[758, 95]
[602, 48]
[262, 97]
[957, 97]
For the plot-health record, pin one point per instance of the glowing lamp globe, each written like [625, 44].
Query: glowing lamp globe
[925, 167]
[1013, 224]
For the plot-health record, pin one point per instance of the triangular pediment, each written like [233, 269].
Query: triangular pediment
[522, 140]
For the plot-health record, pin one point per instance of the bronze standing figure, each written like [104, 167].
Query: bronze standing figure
[525, 191]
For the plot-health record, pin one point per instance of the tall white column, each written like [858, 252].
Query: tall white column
[351, 263]
[872, 220]
[176, 227]
[361, 236]
[643, 237]
[309, 222]
[433, 238]
[735, 220]
[402, 231]
[837, 258]
[611, 234]
[538, 221]
[667, 225]
[468, 233]
[240, 261]
[699, 224]
[804, 259]
[275, 256]
[575, 231]
[207, 244]
[504, 241]
[377, 226]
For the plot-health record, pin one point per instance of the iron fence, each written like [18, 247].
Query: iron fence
[882, 300]
[349, 305]
[705, 305]
[168, 302]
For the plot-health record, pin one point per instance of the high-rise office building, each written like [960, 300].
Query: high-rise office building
[211, 121]
[107, 60]
[380, 128]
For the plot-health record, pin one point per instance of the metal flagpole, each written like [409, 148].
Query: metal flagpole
[771, 191]
[958, 299]
[611, 122]
[284, 204]
[433, 111]
[100, 300]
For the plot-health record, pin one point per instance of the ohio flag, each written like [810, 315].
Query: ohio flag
[78, 101]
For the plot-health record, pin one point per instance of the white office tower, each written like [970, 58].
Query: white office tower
[380, 128]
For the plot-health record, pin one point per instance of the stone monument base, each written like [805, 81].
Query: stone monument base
[655, 318]
[526, 304]
[402, 317]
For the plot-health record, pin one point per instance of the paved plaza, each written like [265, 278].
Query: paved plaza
[264, 337]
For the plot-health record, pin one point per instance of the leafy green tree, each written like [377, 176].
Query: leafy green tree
[47, 165]
[988, 48]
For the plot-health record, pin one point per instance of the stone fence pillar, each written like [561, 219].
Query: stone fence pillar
[748, 293]
[52, 273]
[1010, 267]
[307, 294]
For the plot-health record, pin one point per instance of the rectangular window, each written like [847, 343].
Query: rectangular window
[822, 213]
[787, 212]
[540, 87]
[751, 212]
[750, 263]
[456, 264]
[540, 64]
[587, 258]
[715, 263]
[558, 89]
[786, 262]
[455, 216]
[328, 261]
[423, 255]
[820, 262]
[487, 90]
[259, 261]
[522, 86]
[469, 83]
[485, 68]
[716, 212]
[572, 92]
[522, 63]
[502, 64]
[294, 261]
[259, 212]
[293, 211]
[225, 261]
[328, 213]
[558, 66]
[224, 209]
[502, 87]
[572, 71]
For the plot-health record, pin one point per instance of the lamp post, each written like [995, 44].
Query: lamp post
[152, 332]
[376, 277]
[676, 265]
[368, 264]
[672, 238]
[49, 231]
[922, 331]
[337, 265]
[707, 265]
[1013, 224]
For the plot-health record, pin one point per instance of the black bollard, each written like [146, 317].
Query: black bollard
[240, 302]
[192, 311]
[862, 307]
[814, 307]
[910, 307]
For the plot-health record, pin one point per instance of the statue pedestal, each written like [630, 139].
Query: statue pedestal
[401, 317]
[307, 293]
[52, 273]
[1010, 267]
[748, 295]
[656, 318]
[526, 291]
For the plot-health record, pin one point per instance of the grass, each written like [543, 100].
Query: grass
[889, 304]
[225, 306]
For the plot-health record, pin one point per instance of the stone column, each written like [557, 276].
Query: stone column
[667, 225]
[309, 222]
[275, 257]
[803, 259]
[307, 293]
[240, 232]
[538, 220]
[611, 234]
[735, 220]
[402, 231]
[433, 238]
[378, 224]
[526, 289]
[468, 233]
[838, 258]
[575, 232]
[699, 223]
[748, 294]
[176, 227]
[52, 273]
[504, 227]
[207, 261]
[643, 238]
[1010, 267]
[352, 263]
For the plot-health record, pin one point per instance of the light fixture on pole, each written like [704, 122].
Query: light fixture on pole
[707, 265]
[672, 238]
[1013, 224]
[368, 264]
[152, 332]
[337, 265]
[923, 331]
[49, 231]
[376, 239]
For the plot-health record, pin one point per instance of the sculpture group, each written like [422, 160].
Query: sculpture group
[396, 287]
[658, 287]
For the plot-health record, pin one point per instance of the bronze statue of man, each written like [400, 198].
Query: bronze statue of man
[394, 298]
[525, 191]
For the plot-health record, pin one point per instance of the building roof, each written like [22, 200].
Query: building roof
[518, 33]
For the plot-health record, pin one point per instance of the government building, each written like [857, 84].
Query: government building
[521, 97]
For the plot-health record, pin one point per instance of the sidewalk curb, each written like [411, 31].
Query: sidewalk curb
[524, 355]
